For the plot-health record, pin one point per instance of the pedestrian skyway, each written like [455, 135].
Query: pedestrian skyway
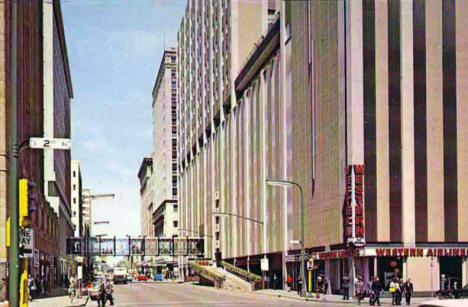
[145, 246]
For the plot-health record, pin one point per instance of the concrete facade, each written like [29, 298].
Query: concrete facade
[165, 163]
[76, 199]
[3, 155]
[353, 88]
[146, 195]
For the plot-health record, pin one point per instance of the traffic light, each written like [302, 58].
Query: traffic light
[23, 202]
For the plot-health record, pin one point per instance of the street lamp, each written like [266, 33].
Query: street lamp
[287, 184]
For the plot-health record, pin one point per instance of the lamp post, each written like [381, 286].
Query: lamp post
[287, 184]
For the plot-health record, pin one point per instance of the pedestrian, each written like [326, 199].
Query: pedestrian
[31, 287]
[400, 290]
[72, 289]
[325, 285]
[289, 282]
[394, 288]
[319, 286]
[102, 294]
[360, 289]
[109, 289]
[369, 291]
[275, 280]
[376, 289]
[408, 289]
[345, 287]
[299, 285]
[43, 286]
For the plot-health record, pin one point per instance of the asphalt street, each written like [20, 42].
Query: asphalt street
[172, 294]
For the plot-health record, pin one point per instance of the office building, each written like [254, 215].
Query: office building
[165, 217]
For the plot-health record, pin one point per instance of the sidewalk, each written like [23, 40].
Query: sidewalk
[57, 297]
[333, 298]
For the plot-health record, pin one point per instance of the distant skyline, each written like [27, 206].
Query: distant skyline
[114, 49]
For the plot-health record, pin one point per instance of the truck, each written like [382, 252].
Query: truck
[120, 275]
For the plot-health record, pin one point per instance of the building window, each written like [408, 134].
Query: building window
[176, 224]
[74, 187]
[74, 173]
[176, 208]
[74, 200]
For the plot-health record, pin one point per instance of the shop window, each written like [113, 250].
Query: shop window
[388, 268]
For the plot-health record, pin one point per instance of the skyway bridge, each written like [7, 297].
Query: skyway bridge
[144, 246]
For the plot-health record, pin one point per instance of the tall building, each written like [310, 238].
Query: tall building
[358, 102]
[57, 93]
[86, 212]
[214, 41]
[76, 198]
[165, 217]
[43, 95]
[146, 195]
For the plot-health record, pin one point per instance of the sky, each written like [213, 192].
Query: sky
[114, 49]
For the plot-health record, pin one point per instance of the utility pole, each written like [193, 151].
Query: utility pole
[13, 165]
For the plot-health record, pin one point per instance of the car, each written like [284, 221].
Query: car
[129, 278]
[142, 277]
[445, 303]
[93, 290]
[158, 277]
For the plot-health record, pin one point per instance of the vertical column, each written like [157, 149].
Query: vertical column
[434, 126]
[407, 123]
[461, 26]
[263, 156]
[382, 117]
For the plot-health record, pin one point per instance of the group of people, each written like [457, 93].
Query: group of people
[37, 287]
[373, 288]
[398, 288]
[106, 293]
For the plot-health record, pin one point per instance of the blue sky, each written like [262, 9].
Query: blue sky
[114, 49]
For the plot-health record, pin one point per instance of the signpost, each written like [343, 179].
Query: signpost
[50, 143]
[26, 242]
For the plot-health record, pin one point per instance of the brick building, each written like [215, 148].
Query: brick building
[43, 97]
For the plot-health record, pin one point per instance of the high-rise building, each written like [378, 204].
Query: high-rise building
[76, 198]
[86, 211]
[165, 217]
[214, 41]
[146, 195]
[361, 104]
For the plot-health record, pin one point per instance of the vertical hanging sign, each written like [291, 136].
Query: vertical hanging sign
[353, 211]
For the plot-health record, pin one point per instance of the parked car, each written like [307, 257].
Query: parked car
[129, 278]
[142, 277]
[158, 277]
[456, 293]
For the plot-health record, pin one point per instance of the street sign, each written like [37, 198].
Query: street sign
[310, 265]
[26, 242]
[50, 143]
[264, 264]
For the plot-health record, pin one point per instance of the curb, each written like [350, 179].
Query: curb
[307, 299]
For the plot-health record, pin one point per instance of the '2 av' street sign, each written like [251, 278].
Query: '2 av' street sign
[50, 143]
[26, 242]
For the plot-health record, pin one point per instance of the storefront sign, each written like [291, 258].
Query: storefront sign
[421, 252]
[345, 253]
[353, 211]
[36, 258]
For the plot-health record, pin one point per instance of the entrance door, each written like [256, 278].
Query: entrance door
[450, 272]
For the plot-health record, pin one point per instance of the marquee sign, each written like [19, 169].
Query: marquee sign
[421, 252]
[353, 211]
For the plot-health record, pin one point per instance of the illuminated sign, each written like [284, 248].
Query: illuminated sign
[353, 211]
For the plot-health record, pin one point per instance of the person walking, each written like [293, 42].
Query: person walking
[360, 289]
[408, 290]
[369, 291]
[109, 289]
[102, 294]
[72, 289]
[376, 289]
[289, 282]
[32, 288]
[299, 285]
[345, 287]
[275, 280]
[394, 289]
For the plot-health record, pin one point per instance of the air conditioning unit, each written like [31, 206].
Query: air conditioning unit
[216, 195]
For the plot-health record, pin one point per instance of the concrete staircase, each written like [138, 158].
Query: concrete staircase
[234, 282]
